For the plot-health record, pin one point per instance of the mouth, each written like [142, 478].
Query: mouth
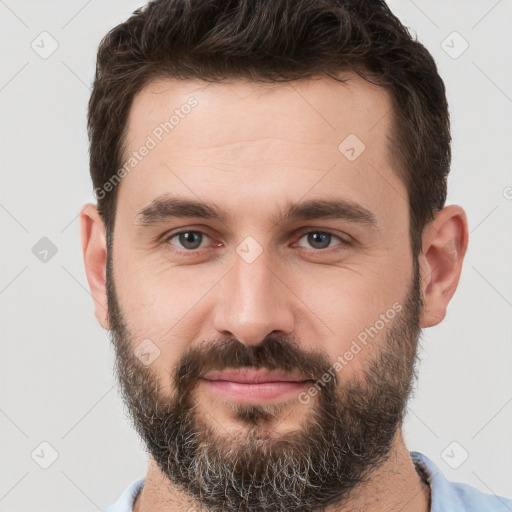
[251, 386]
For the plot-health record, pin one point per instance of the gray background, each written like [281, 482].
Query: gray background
[56, 380]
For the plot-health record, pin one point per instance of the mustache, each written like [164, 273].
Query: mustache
[273, 353]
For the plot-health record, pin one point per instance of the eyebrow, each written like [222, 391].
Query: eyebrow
[166, 207]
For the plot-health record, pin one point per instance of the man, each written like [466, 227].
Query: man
[270, 238]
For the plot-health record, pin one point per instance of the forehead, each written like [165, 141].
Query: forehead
[258, 138]
[318, 109]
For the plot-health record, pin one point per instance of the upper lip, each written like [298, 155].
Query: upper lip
[252, 376]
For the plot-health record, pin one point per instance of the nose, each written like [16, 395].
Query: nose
[253, 302]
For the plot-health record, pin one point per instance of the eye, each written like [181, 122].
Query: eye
[193, 240]
[189, 240]
[320, 239]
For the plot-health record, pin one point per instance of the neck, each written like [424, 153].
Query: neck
[395, 485]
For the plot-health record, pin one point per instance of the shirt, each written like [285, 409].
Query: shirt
[446, 496]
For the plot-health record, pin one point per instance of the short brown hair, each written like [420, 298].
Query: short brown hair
[271, 41]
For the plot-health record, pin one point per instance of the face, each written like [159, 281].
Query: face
[262, 295]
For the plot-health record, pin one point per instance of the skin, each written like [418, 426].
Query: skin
[251, 150]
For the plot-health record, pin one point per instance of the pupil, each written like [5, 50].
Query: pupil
[314, 238]
[187, 239]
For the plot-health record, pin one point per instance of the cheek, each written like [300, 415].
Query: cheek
[353, 312]
[163, 304]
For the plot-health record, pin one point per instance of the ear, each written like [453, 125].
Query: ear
[94, 249]
[445, 241]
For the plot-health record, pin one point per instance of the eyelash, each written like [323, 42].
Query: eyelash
[300, 235]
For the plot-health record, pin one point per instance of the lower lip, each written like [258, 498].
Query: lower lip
[251, 392]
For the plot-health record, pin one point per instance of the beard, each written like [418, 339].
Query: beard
[346, 433]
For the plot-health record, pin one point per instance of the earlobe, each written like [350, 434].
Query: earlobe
[445, 241]
[94, 250]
